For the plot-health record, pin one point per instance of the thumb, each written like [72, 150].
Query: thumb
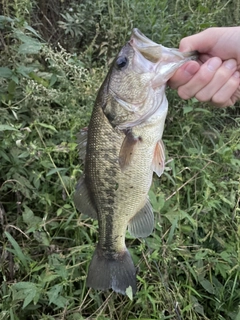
[202, 42]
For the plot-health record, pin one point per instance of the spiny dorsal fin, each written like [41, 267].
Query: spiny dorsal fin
[83, 201]
[127, 149]
[142, 224]
[82, 142]
[158, 163]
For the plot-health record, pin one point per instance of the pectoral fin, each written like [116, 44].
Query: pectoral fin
[158, 163]
[127, 149]
[83, 201]
[142, 224]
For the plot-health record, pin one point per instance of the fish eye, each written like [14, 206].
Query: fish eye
[121, 62]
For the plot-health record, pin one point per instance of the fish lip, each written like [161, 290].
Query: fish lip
[141, 39]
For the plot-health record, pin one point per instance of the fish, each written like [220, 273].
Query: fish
[123, 147]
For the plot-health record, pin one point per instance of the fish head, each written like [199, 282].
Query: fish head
[137, 79]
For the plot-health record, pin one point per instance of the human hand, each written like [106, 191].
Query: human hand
[215, 77]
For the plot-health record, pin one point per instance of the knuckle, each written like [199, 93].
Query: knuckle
[204, 76]
[183, 93]
[219, 99]
[202, 97]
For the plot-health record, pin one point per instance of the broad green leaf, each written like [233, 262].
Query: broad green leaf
[55, 297]
[53, 80]
[25, 291]
[50, 277]
[23, 285]
[5, 72]
[4, 19]
[27, 214]
[207, 286]
[30, 297]
[54, 170]
[187, 109]
[24, 71]
[30, 48]
[5, 127]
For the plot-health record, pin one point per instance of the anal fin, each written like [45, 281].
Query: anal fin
[83, 201]
[142, 224]
[158, 163]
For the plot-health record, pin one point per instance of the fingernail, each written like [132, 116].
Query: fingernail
[213, 64]
[230, 64]
[191, 69]
[236, 74]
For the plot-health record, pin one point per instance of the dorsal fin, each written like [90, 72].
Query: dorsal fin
[82, 142]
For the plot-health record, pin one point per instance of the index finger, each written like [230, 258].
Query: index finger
[184, 74]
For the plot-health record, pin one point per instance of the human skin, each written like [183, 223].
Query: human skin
[215, 77]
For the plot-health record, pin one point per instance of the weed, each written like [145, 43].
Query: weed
[189, 267]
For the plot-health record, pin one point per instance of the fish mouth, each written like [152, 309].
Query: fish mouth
[154, 52]
[165, 61]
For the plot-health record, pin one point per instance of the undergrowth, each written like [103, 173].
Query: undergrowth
[54, 57]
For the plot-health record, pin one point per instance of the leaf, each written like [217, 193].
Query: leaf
[5, 127]
[50, 277]
[53, 80]
[4, 19]
[30, 48]
[18, 252]
[24, 71]
[55, 297]
[29, 28]
[30, 297]
[5, 72]
[207, 285]
[187, 109]
[48, 126]
[54, 170]
[26, 291]
[27, 214]
[129, 293]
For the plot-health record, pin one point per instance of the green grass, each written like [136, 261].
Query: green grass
[189, 267]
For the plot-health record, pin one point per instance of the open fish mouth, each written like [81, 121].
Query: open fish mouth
[155, 52]
[155, 57]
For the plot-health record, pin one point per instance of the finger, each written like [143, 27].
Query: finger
[203, 41]
[222, 75]
[183, 74]
[225, 96]
[200, 79]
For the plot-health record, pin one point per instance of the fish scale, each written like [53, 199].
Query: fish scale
[123, 150]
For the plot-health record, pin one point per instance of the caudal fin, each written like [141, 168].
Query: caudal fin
[116, 273]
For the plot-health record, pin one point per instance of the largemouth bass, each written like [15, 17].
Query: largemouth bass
[123, 149]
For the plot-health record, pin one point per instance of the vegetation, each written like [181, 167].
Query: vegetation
[54, 56]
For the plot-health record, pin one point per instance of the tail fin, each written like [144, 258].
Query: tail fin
[116, 273]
